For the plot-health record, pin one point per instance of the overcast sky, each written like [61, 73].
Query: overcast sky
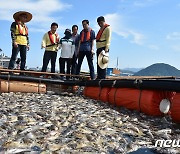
[144, 31]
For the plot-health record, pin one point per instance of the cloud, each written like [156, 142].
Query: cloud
[176, 48]
[41, 30]
[145, 3]
[138, 37]
[173, 36]
[42, 10]
[154, 47]
[117, 26]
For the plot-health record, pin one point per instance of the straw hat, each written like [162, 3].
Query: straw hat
[164, 106]
[103, 59]
[17, 14]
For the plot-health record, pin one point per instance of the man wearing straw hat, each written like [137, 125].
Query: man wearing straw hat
[20, 39]
[103, 39]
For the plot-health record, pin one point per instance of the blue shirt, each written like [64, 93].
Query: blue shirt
[87, 45]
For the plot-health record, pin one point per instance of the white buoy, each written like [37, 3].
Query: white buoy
[164, 106]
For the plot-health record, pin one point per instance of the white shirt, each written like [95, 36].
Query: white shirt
[67, 48]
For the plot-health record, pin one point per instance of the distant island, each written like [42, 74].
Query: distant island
[158, 69]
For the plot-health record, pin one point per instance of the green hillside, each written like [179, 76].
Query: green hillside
[159, 69]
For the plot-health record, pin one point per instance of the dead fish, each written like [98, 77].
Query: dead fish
[30, 129]
[12, 118]
[143, 125]
[30, 135]
[117, 124]
[53, 135]
[164, 133]
[54, 147]
[15, 144]
[90, 137]
[16, 150]
[82, 145]
[150, 134]
[124, 119]
[86, 131]
[134, 128]
[144, 143]
[63, 124]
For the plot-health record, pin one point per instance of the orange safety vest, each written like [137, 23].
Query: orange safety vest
[53, 41]
[20, 28]
[99, 34]
[88, 35]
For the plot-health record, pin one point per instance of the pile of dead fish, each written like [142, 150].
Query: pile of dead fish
[68, 123]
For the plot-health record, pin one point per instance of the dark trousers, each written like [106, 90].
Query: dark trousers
[62, 62]
[89, 57]
[22, 49]
[74, 64]
[49, 55]
[101, 73]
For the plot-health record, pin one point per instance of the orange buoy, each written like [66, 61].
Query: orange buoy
[104, 94]
[150, 102]
[92, 92]
[125, 97]
[146, 101]
[175, 108]
[19, 86]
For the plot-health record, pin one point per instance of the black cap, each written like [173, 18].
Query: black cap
[67, 31]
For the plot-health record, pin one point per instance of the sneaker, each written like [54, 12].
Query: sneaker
[22, 74]
[42, 76]
[11, 73]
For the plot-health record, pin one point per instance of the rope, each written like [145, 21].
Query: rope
[8, 83]
[139, 102]
[39, 86]
[100, 89]
[0, 86]
[114, 83]
[99, 83]
[115, 96]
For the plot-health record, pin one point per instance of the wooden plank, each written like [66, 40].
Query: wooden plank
[40, 73]
[140, 77]
[84, 75]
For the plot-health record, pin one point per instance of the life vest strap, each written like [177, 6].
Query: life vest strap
[52, 44]
[101, 41]
[86, 41]
[20, 35]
